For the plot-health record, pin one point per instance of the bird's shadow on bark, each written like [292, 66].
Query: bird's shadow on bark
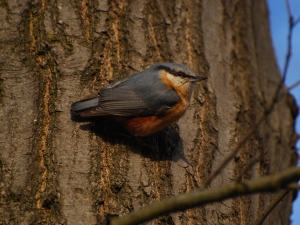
[162, 145]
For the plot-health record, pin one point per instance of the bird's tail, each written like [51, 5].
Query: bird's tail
[80, 107]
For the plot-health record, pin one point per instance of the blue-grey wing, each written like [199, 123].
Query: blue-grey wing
[139, 95]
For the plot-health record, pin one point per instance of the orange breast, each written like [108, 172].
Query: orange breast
[144, 126]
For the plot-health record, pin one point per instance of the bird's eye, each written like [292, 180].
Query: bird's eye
[180, 74]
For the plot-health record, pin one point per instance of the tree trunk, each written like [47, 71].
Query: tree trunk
[57, 171]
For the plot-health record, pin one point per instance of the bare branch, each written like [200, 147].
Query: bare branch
[277, 97]
[270, 207]
[201, 197]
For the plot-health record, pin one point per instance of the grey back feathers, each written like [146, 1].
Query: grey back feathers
[142, 94]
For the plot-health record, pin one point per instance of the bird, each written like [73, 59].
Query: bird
[145, 102]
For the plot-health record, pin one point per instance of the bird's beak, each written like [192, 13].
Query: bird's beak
[197, 78]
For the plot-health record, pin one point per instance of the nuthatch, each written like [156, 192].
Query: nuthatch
[144, 102]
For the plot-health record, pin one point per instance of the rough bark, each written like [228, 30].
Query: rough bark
[57, 171]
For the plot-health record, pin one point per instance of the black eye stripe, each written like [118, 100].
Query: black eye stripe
[176, 73]
[181, 74]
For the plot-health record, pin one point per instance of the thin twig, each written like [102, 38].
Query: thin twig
[250, 164]
[289, 48]
[270, 207]
[235, 150]
[288, 90]
[293, 86]
[267, 110]
[288, 55]
[297, 21]
[201, 197]
[294, 186]
[287, 2]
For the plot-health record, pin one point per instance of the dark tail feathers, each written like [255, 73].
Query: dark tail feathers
[83, 105]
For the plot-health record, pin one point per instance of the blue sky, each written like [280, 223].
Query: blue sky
[279, 27]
